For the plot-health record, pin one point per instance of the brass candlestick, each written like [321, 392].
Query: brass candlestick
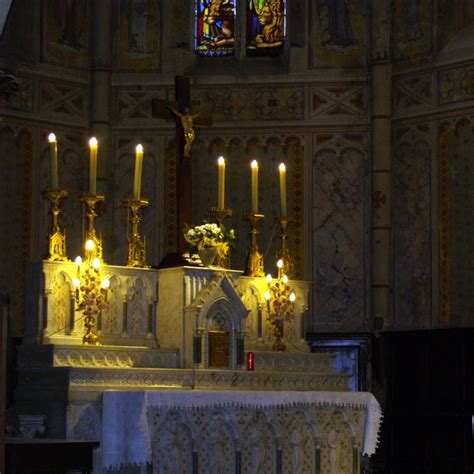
[91, 202]
[221, 214]
[136, 255]
[57, 238]
[254, 265]
[284, 254]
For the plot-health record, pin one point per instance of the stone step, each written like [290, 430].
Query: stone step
[117, 357]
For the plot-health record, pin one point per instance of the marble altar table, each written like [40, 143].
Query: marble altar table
[239, 432]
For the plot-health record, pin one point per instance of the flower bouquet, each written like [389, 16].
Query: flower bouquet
[210, 241]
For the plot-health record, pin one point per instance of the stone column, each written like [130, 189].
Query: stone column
[381, 162]
[99, 107]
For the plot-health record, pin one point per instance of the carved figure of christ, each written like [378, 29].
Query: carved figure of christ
[186, 119]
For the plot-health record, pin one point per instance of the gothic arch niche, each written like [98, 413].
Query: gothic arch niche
[138, 320]
[59, 305]
[220, 337]
[412, 228]
[339, 171]
[337, 456]
[254, 322]
[112, 319]
[172, 442]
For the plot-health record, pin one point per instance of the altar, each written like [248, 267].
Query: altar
[152, 387]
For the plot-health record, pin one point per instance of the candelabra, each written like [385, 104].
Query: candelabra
[136, 254]
[280, 298]
[57, 238]
[223, 260]
[91, 201]
[254, 265]
[91, 292]
[284, 253]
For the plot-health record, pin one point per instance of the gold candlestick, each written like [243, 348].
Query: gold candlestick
[57, 238]
[254, 266]
[136, 244]
[284, 254]
[91, 201]
[221, 214]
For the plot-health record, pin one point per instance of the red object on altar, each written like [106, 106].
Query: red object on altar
[250, 360]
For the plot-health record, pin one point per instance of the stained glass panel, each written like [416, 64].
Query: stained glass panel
[215, 20]
[266, 27]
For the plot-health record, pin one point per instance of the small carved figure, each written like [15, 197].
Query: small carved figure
[187, 123]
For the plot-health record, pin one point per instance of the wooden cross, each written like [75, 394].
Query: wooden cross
[186, 118]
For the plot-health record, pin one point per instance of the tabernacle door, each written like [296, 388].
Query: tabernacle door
[218, 349]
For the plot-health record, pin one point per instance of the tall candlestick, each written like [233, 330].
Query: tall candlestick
[220, 182]
[254, 182]
[137, 180]
[54, 160]
[283, 189]
[93, 166]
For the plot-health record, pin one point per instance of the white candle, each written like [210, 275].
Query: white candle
[54, 160]
[137, 179]
[254, 182]
[93, 166]
[282, 169]
[220, 182]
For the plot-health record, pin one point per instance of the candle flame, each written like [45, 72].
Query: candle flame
[282, 167]
[280, 263]
[52, 138]
[90, 245]
[220, 160]
[93, 142]
[96, 263]
[292, 297]
[269, 278]
[254, 164]
[105, 283]
[267, 295]
[76, 282]
[78, 261]
[139, 148]
[284, 279]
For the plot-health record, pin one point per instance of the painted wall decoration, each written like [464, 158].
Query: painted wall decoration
[269, 151]
[339, 30]
[139, 33]
[266, 27]
[214, 23]
[251, 103]
[412, 229]
[338, 240]
[456, 222]
[456, 84]
[412, 28]
[65, 32]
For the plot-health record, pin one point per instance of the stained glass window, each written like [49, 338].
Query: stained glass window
[215, 21]
[266, 27]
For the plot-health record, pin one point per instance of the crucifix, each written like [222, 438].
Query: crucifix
[186, 119]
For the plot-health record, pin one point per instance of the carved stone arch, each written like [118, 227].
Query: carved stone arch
[253, 144]
[112, 319]
[59, 304]
[172, 443]
[137, 308]
[272, 141]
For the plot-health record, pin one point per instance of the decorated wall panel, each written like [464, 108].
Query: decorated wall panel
[456, 84]
[338, 31]
[252, 102]
[414, 93]
[456, 218]
[16, 145]
[338, 232]
[239, 151]
[412, 228]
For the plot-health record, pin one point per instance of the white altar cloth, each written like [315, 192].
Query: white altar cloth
[126, 434]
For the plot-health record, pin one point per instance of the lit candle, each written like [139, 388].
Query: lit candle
[54, 160]
[220, 182]
[283, 189]
[137, 180]
[93, 166]
[254, 167]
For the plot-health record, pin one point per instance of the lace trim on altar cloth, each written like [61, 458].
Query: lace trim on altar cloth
[129, 418]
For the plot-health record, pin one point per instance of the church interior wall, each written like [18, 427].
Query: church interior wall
[316, 97]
